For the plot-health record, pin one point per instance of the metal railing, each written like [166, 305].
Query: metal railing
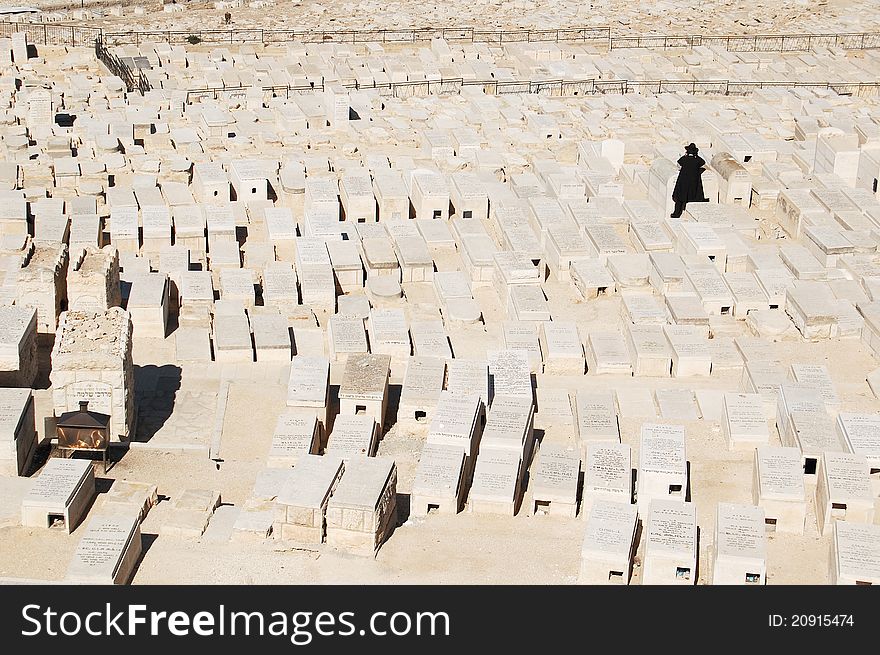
[560, 88]
[78, 35]
[52, 33]
[403, 36]
[753, 42]
[134, 78]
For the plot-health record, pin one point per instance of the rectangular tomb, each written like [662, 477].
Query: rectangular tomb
[362, 512]
[843, 490]
[439, 483]
[497, 482]
[108, 551]
[305, 495]
[855, 554]
[297, 434]
[740, 555]
[663, 471]
[609, 542]
[779, 488]
[670, 543]
[554, 482]
[60, 496]
[18, 437]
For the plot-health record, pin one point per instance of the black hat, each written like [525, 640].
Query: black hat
[691, 147]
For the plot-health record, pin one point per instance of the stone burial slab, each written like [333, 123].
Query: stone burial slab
[124, 229]
[497, 482]
[663, 471]
[439, 484]
[60, 496]
[670, 543]
[596, 417]
[561, 348]
[843, 490]
[677, 404]
[509, 374]
[18, 436]
[817, 376]
[468, 376]
[232, 338]
[297, 434]
[855, 554]
[509, 425]
[522, 335]
[108, 551]
[389, 334]
[362, 512]
[271, 336]
[778, 487]
[861, 433]
[650, 352]
[590, 277]
[457, 423]
[196, 287]
[608, 474]
[421, 390]
[18, 346]
[308, 386]
[364, 388]
[429, 339]
[190, 513]
[642, 309]
[743, 421]
[690, 350]
[347, 336]
[814, 435]
[134, 497]
[148, 305]
[353, 436]
[607, 353]
[305, 495]
[609, 542]
[554, 481]
[255, 522]
[740, 552]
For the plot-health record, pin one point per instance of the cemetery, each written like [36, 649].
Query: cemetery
[357, 302]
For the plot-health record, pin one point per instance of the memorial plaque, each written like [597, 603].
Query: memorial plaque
[296, 435]
[99, 395]
[108, 551]
[308, 381]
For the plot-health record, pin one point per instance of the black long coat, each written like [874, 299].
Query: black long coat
[689, 185]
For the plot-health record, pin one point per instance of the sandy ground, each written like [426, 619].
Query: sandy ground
[465, 548]
[678, 17]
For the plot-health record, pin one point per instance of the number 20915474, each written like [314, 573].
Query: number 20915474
[810, 620]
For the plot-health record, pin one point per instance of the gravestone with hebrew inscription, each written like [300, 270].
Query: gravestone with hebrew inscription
[670, 543]
[609, 543]
[18, 437]
[663, 469]
[439, 483]
[18, 346]
[108, 551]
[778, 487]
[60, 496]
[92, 361]
[740, 551]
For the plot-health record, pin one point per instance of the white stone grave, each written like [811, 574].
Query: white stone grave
[740, 551]
[60, 496]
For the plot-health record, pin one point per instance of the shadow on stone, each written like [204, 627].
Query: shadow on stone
[156, 390]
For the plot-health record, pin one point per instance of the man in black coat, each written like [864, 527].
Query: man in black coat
[689, 185]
